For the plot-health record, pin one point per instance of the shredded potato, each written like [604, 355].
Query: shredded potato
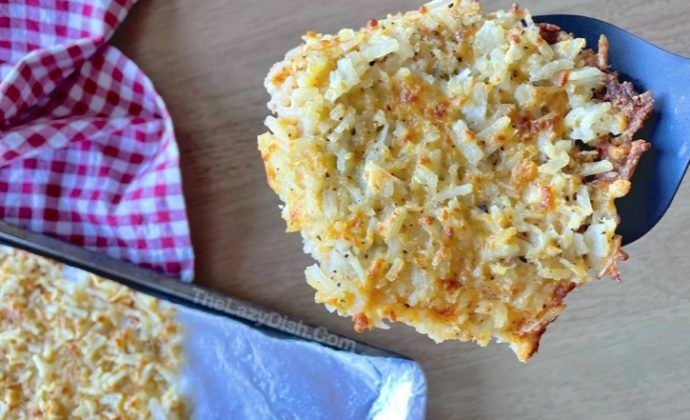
[444, 169]
[88, 348]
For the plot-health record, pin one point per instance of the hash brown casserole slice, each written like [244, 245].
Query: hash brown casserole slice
[453, 170]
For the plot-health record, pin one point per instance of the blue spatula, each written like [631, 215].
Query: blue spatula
[667, 75]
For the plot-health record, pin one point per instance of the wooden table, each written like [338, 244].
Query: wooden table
[619, 351]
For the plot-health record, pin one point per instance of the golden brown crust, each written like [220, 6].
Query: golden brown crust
[83, 348]
[550, 33]
[622, 151]
[533, 331]
[624, 157]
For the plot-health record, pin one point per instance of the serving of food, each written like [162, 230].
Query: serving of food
[453, 170]
[84, 348]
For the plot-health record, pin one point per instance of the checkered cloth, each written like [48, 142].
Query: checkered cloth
[87, 149]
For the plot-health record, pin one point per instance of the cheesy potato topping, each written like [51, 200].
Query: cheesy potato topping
[445, 169]
[88, 348]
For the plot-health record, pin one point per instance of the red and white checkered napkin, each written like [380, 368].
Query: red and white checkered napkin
[87, 149]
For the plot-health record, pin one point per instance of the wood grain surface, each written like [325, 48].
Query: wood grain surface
[619, 351]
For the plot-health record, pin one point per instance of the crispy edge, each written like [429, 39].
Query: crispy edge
[623, 152]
